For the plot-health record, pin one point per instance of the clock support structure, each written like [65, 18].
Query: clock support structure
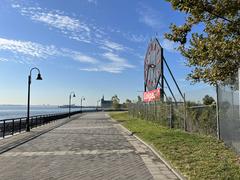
[154, 72]
[162, 77]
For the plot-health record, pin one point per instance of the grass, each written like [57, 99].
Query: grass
[195, 156]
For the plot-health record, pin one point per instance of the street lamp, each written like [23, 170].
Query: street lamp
[82, 99]
[72, 94]
[28, 105]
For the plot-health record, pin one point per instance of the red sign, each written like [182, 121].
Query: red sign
[153, 95]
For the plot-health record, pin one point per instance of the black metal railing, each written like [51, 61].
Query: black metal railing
[17, 125]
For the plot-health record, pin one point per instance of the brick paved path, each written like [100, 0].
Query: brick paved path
[89, 147]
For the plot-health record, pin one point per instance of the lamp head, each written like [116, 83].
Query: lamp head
[39, 77]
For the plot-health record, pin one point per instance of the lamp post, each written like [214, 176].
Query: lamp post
[72, 94]
[82, 99]
[28, 105]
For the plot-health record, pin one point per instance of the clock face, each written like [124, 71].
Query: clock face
[152, 65]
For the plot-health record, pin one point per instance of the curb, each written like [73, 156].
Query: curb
[157, 153]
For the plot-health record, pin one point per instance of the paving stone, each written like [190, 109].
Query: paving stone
[89, 147]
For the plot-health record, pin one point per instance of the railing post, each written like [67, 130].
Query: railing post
[12, 126]
[4, 128]
[20, 125]
[31, 123]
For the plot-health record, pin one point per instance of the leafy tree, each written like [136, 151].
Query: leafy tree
[116, 102]
[139, 99]
[124, 105]
[214, 53]
[128, 101]
[208, 100]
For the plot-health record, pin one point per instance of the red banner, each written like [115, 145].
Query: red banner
[153, 95]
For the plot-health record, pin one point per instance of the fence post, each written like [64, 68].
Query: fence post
[138, 115]
[143, 116]
[170, 115]
[185, 112]
[133, 109]
[217, 113]
[147, 110]
[155, 111]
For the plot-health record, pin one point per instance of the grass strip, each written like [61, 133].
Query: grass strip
[195, 156]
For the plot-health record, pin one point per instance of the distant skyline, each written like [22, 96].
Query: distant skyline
[91, 47]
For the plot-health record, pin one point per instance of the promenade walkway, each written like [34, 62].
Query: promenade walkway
[89, 146]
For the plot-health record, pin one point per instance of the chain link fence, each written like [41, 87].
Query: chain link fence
[229, 114]
[221, 121]
[192, 118]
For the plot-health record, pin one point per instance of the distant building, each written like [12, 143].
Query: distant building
[106, 104]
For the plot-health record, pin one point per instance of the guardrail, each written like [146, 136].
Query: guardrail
[17, 125]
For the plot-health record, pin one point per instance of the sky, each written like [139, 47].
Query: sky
[91, 47]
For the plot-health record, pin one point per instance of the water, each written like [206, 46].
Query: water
[15, 111]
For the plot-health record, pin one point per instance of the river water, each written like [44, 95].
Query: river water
[15, 111]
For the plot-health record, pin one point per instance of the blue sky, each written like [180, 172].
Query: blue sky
[91, 47]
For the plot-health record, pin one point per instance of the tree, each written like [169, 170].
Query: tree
[126, 104]
[208, 100]
[213, 53]
[128, 101]
[116, 102]
[139, 99]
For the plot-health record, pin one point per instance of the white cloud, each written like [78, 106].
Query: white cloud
[169, 45]
[31, 50]
[69, 26]
[26, 51]
[105, 68]
[110, 45]
[90, 69]
[117, 64]
[113, 57]
[27, 48]
[78, 56]
[137, 38]
[3, 59]
[77, 29]
[59, 21]
[92, 1]
[72, 27]
[117, 61]
[16, 6]
[111, 68]
[84, 58]
[150, 17]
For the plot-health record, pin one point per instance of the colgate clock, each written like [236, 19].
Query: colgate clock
[153, 63]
